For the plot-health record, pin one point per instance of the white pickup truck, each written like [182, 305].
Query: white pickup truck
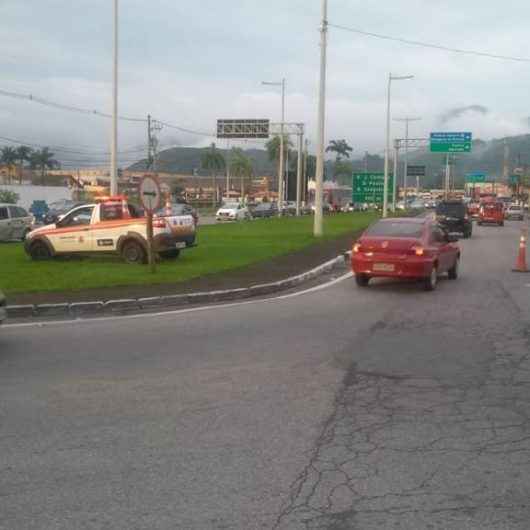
[111, 225]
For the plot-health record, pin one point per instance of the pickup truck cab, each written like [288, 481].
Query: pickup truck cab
[111, 225]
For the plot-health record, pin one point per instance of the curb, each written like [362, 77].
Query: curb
[110, 307]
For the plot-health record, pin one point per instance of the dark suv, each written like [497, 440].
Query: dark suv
[453, 217]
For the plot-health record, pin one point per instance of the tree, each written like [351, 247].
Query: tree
[23, 155]
[213, 161]
[9, 197]
[43, 160]
[241, 166]
[273, 149]
[341, 148]
[8, 156]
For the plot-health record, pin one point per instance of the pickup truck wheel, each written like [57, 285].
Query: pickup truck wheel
[170, 254]
[39, 251]
[132, 252]
[453, 271]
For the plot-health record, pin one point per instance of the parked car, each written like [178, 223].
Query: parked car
[417, 248]
[491, 212]
[453, 217]
[15, 222]
[59, 208]
[514, 211]
[110, 226]
[3, 310]
[326, 207]
[265, 209]
[178, 209]
[233, 211]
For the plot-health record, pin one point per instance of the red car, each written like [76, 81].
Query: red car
[411, 248]
[491, 212]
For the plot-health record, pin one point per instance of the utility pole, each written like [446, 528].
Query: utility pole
[299, 169]
[387, 145]
[227, 163]
[407, 120]
[306, 176]
[318, 227]
[394, 183]
[281, 163]
[114, 134]
[149, 143]
[447, 176]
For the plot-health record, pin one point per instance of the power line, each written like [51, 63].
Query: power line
[80, 110]
[67, 149]
[61, 106]
[430, 45]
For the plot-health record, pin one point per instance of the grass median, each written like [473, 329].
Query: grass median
[221, 248]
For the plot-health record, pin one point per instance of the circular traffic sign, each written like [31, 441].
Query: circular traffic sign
[150, 194]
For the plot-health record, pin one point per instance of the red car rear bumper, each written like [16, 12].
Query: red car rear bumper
[390, 267]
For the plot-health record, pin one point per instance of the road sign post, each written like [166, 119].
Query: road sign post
[150, 195]
[369, 187]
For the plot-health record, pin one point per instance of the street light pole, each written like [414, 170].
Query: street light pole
[114, 134]
[387, 148]
[281, 168]
[407, 120]
[318, 228]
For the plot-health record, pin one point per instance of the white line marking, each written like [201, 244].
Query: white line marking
[179, 311]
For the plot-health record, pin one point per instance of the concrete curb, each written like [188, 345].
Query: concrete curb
[110, 307]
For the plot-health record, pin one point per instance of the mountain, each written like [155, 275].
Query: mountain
[186, 160]
[487, 157]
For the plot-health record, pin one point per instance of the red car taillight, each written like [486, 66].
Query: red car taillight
[416, 250]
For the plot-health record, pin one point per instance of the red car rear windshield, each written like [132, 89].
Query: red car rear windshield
[395, 229]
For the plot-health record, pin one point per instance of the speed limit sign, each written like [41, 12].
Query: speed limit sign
[150, 194]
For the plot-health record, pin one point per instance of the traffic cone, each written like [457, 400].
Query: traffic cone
[520, 265]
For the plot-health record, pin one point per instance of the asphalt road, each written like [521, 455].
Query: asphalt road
[336, 409]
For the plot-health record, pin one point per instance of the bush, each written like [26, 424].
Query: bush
[9, 197]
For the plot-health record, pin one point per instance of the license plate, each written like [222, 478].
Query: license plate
[180, 244]
[383, 267]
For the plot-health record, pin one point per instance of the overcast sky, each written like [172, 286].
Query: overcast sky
[190, 63]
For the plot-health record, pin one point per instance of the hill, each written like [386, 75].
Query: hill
[188, 160]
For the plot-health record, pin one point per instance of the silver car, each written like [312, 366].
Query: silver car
[15, 222]
[3, 311]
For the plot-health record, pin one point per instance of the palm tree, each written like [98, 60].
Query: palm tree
[8, 156]
[241, 166]
[43, 160]
[23, 155]
[340, 147]
[213, 161]
[273, 149]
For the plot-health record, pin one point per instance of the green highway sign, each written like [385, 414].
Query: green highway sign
[451, 142]
[476, 178]
[369, 187]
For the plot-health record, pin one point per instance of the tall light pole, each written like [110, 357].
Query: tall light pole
[407, 120]
[114, 134]
[387, 148]
[281, 169]
[318, 228]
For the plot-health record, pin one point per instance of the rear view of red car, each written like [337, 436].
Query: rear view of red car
[491, 213]
[405, 248]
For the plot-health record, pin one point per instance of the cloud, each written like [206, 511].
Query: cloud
[452, 114]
